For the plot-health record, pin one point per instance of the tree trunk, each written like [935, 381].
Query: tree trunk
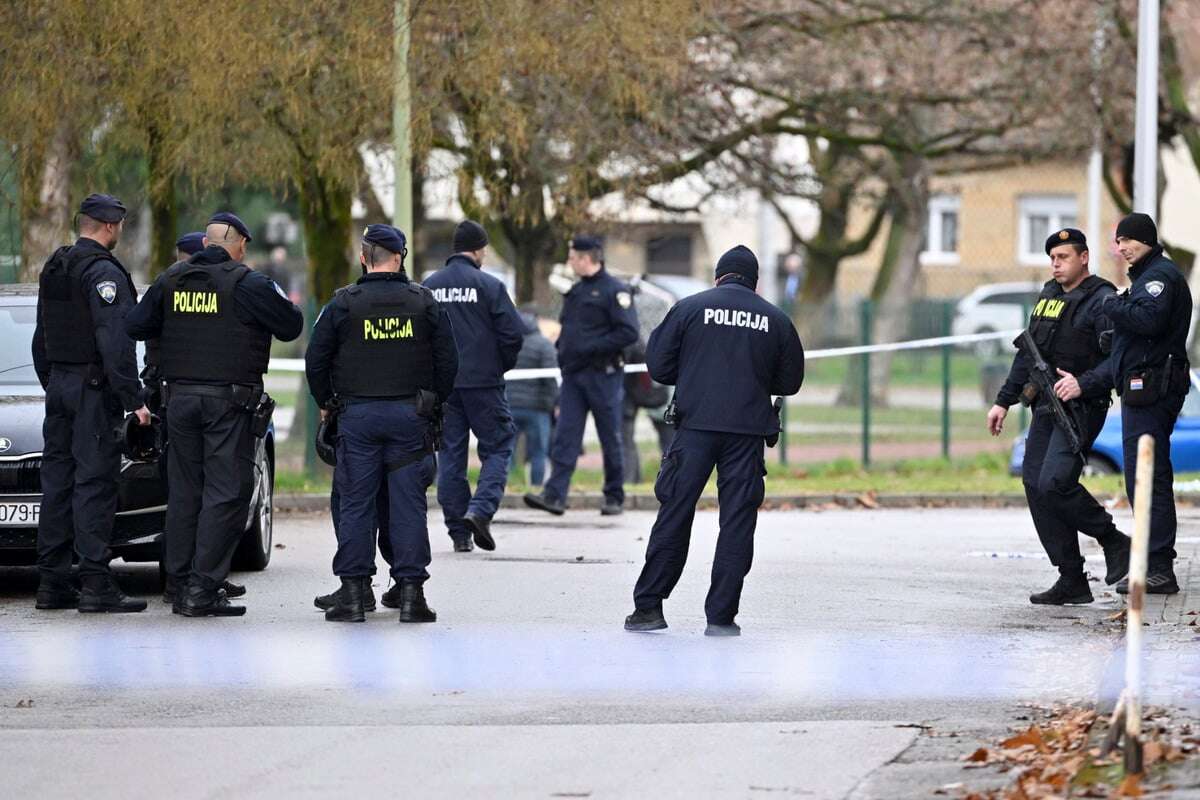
[164, 211]
[46, 201]
[325, 212]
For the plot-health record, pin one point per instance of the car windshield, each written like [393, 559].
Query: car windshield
[16, 339]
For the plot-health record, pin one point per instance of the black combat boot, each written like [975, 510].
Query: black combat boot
[1158, 581]
[328, 601]
[391, 598]
[203, 600]
[544, 503]
[723, 629]
[232, 589]
[102, 595]
[349, 606]
[56, 593]
[1116, 558]
[646, 619]
[463, 544]
[1068, 590]
[481, 529]
[413, 607]
[611, 508]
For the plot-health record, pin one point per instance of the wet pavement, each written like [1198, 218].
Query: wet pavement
[858, 625]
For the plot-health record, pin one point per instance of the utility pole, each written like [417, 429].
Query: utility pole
[1145, 148]
[402, 203]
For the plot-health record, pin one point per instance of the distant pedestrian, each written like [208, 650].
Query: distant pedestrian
[532, 399]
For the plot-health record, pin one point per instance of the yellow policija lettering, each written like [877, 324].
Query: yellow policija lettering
[194, 303]
[387, 328]
[1050, 309]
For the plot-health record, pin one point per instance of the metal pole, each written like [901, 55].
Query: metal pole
[783, 443]
[865, 321]
[402, 206]
[311, 414]
[947, 311]
[1143, 489]
[1096, 160]
[1145, 148]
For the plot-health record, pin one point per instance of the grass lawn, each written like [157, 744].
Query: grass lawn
[916, 368]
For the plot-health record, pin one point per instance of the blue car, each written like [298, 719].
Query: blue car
[1107, 455]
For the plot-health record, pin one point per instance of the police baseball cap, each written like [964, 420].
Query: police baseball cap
[103, 207]
[190, 243]
[1066, 236]
[233, 221]
[388, 237]
[584, 243]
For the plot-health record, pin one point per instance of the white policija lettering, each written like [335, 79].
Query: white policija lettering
[738, 319]
[456, 294]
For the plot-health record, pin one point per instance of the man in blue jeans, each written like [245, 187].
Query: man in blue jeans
[488, 332]
[532, 399]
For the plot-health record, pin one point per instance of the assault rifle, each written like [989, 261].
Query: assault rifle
[1043, 377]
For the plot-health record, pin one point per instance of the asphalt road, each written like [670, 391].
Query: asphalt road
[859, 627]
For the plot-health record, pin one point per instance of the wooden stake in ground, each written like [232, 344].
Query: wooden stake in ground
[1131, 699]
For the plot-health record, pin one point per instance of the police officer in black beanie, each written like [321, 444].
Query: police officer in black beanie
[726, 351]
[86, 363]
[214, 318]
[1067, 324]
[489, 334]
[1149, 366]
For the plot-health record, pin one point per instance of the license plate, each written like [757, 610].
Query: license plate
[19, 515]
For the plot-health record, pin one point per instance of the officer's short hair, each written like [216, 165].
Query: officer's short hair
[222, 233]
[376, 254]
[596, 254]
[88, 224]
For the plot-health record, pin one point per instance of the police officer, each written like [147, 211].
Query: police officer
[214, 318]
[189, 245]
[1150, 369]
[726, 351]
[382, 352]
[86, 363]
[489, 333]
[598, 323]
[1067, 324]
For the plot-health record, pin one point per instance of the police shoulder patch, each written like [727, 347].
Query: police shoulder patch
[624, 299]
[1155, 288]
[107, 290]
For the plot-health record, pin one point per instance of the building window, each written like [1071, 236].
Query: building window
[1040, 216]
[669, 255]
[941, 230]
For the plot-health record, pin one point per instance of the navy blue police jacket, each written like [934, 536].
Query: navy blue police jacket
[486, 325]
[325, 341]
[598, 322]
[116, 349]
[727, 351]
[257, 300]
[1151, 320]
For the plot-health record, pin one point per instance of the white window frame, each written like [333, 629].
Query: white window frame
[1061, 210]
[933, 255]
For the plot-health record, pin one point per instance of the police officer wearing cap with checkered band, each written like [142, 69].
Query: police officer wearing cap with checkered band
[598, 323]
[1068, 325]
[726, 351]
[489, 333]
[88, 367]
[1149, 368]
[214, 318]
[383, 355]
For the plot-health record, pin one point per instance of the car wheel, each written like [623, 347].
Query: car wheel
[989, 348]
[1099, 465]
[254, 552]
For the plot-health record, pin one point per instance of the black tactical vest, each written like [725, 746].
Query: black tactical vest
[202, 337]
[1064, 346]
[66, 313]
[385, 347]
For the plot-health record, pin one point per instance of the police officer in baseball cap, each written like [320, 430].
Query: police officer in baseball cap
[86, 363]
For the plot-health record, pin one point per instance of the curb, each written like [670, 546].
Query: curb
[306, 503]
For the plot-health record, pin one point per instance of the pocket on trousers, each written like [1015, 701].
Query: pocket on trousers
[664, 484]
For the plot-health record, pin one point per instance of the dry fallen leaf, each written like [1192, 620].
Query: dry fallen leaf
[868, 499]
[979, 755]
[1030, 738]
[1130, 787]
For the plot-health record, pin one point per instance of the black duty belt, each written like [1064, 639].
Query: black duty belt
[411, 399]
[202, 389]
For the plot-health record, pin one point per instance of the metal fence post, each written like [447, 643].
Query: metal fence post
[783, 443]
[865, 322]
[311, 414]
[947, 311]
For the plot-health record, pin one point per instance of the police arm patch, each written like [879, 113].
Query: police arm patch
[1155, 288]
[107, 290]
[624, 299]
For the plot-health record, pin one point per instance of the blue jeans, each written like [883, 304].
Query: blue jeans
[534, 425]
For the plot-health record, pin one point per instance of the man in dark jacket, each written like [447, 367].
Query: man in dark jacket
[489, 333]
[727, 351]
[532, 399]
[1067, 323]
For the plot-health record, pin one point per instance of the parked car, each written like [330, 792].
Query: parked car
[994, 307]
[141, 488]
[1107, 455]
